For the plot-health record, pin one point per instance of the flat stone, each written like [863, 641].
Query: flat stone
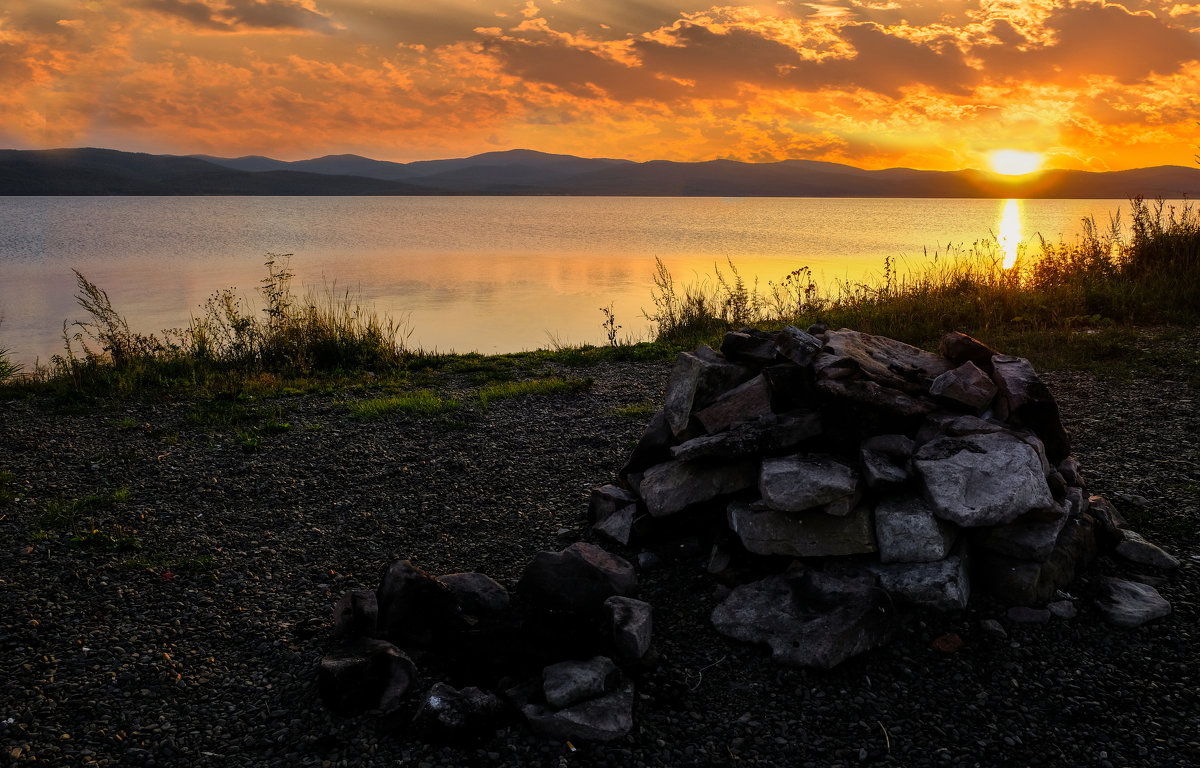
[570, 682]
[877, 397]
[696, 380]
[745, 402]
[1135, 548]
[769, 433]
[618, 527]
[979, 480]
[1129, 603]
[804, 481]
[885, 460]
[908, 531]
[808, 619]
[670, 488]
[944, 585]
[888, 362]
[796, 345]
[765, 531]
[607, 718]
[993, 627]
[579, 578]
[749, 347]
[960, 348]
[966, 385]
[631, 624]
[1025, 539]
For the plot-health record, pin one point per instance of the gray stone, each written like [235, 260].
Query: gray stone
[877, 397]
[769, 433]
[696, 380]
[1130, 604]
[804, 481]
[992, 626]
[1023, 398]
[1135, 548]
[959, 348]
[1062, 609]
[677, 485]
[808, 619]
[967, 385]
[1023, 582]
[570, 682]
[885, 460]
[766, 531]
[745, 402]
[607, 500]
[607, 718]
[888, 362]
[579, 578]
[909, 532]
[450, 714]
[618, 526]
[944, 585]
[631, 623]
[356, 615]
[1025, 539]
[979, 480]
[796, 345]
[478, 594]
[365, 674]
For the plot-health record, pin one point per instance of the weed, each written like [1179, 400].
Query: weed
[250, 441]
[7, 481]
[124, 424]
[610, 325]
[421, 403]
[8, 369]
[115, 538]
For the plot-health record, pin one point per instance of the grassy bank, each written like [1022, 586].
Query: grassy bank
[1080, 304]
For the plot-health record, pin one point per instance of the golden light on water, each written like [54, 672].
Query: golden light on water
[1009, 236]
[1013, 162]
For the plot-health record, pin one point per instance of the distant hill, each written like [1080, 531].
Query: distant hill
[526, 172]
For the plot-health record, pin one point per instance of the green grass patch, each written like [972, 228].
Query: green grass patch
[67, 514]
[113, 538]
[637, 410]
[549, 386]
[420, 403]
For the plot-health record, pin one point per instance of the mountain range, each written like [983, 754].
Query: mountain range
[525, 172]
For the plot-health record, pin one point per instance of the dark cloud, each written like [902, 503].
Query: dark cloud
[1094, 39]
[231, 15]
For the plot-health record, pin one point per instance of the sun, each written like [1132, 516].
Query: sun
[1014, 162]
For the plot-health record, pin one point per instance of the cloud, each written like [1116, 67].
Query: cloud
[235, 15]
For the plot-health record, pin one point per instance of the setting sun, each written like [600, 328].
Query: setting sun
[1014, 162]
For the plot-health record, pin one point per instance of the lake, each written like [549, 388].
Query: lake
[486, 274]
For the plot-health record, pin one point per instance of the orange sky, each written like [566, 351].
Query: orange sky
[874, 83]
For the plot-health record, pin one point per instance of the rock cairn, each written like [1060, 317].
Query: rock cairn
[832, 476]
[862, 474]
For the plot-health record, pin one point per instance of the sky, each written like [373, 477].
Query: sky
[937, 84]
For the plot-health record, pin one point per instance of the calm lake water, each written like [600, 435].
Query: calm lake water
[488, 274]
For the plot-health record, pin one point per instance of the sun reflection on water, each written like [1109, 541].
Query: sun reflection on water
[1009, 236]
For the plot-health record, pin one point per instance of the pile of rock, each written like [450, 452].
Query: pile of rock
[550, 655]
[883, 473]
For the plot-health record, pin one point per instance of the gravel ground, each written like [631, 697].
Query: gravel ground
[179, 663]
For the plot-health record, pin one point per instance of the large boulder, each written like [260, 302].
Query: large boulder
[796, 345]
[696, 380]
[570, 682]
[1023, 398]
[808, 619]
[415, 609]
[943, 585]
[885, 460]
[745, 402]
[978, 480]
[578, 579]
[1030, 538]
[888, 362]
[478, 594]
[966, 385]
[605, 718]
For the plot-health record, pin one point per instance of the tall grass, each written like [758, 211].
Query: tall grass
[1150, 275]
[8, 369]
[290, 336]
